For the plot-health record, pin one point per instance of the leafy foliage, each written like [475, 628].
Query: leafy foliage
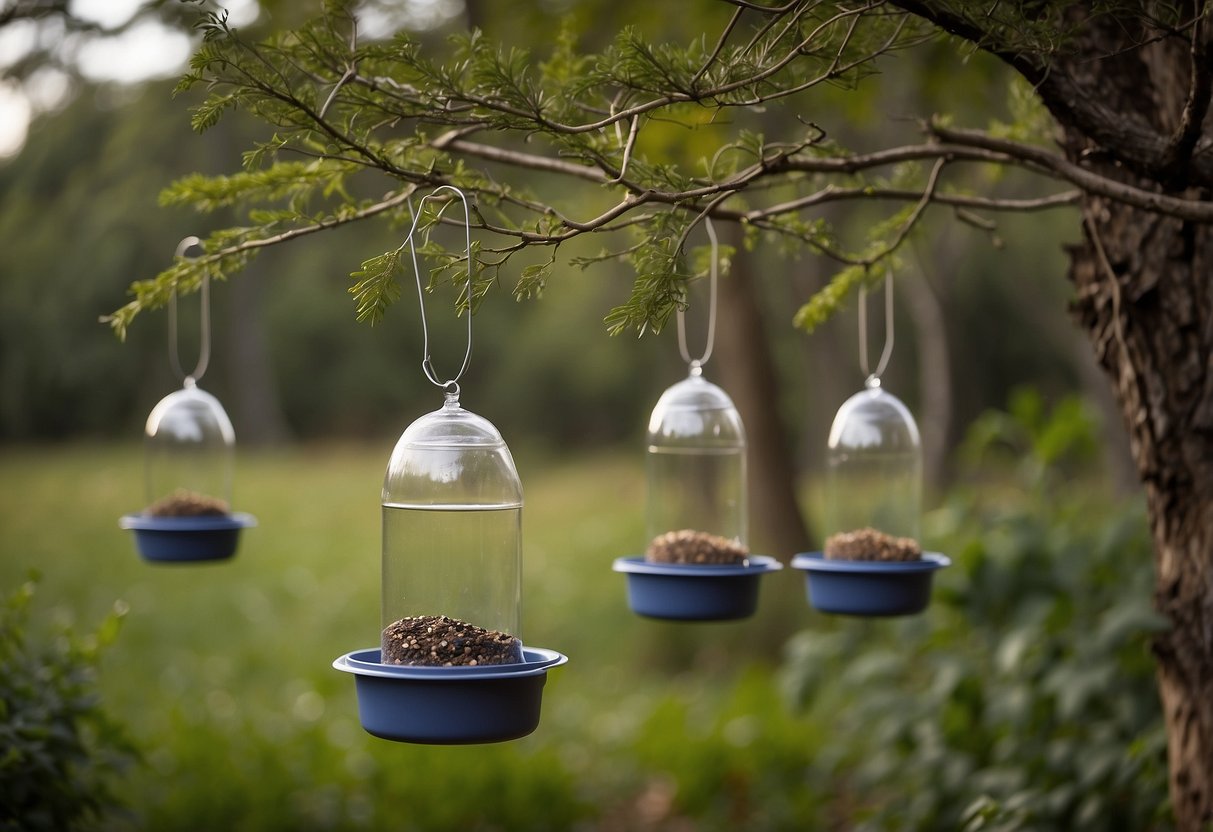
[365, 112]
[60, 751]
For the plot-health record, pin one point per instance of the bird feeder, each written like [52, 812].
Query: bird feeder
[872, 563]
[697, 565]
[451, 667]
[189, 451]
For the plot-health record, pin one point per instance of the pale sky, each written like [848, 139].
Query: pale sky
[145, 51]
[148, 50]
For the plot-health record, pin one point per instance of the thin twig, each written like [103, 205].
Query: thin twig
[1200, 88]
[758, 7]
[627, 152]
[1117, 325]
[531, 161]
[706, 212]
[341, 82]
[916, 214]
[301, 231]
[720, 42]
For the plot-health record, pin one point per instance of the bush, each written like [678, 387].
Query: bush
[59, 749]
[1025, 698]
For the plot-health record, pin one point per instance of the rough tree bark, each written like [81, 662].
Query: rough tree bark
[1145, 300]
[1131, 102]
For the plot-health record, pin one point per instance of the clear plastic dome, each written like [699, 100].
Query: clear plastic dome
[190, 452]
[696, 462]
[874, 466]
[452, 523]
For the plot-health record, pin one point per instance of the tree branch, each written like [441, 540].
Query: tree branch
[960, 26]
[1136, 142]
[855, 163]
[1042, 161]
[831, 193]
[121, 319]
[452, 141]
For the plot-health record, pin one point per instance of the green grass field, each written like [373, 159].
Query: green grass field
[222, 672]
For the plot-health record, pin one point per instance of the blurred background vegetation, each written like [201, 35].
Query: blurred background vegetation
[1023, 699]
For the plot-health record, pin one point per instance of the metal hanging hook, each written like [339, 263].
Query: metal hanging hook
[872, 379]
[450, 386]
[204, 327]
[696, 364]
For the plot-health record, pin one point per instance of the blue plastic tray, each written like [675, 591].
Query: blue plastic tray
[449, 705]
[187, 539]
[691, 592]
[869, 588]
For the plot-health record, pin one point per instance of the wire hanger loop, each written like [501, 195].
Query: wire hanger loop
[449, 386]
[872, 379]
[697, 364]
[204, 327]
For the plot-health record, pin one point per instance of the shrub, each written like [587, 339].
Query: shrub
[58, 749]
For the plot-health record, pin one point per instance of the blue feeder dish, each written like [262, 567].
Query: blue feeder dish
[189, 447]
[187, 539]
[869, 588]
[449, 705]
[694, 592]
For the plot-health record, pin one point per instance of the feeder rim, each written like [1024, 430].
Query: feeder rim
[202, 523]
[364, 662]
[636, 564]
[817, 562]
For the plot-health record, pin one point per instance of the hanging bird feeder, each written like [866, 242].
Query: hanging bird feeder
[189, 449]
[872, 563]
[451, 667]
[697, 566]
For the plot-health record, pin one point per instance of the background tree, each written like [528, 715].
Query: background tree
[1127, 86]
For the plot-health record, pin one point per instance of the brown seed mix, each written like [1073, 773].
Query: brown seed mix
[690, 546]
[439, 641]
[870, 544]
[182, 503]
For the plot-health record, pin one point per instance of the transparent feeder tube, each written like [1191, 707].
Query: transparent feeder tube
[189, 447]
[452, 524]
[696, 463]
[874, 474]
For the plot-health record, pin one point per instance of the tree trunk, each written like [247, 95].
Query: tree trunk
[1149, 314]
[1145, 300]
[748, 374]
[1132, 96]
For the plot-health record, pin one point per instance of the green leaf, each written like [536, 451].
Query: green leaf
[375, 286]
[207, 114]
